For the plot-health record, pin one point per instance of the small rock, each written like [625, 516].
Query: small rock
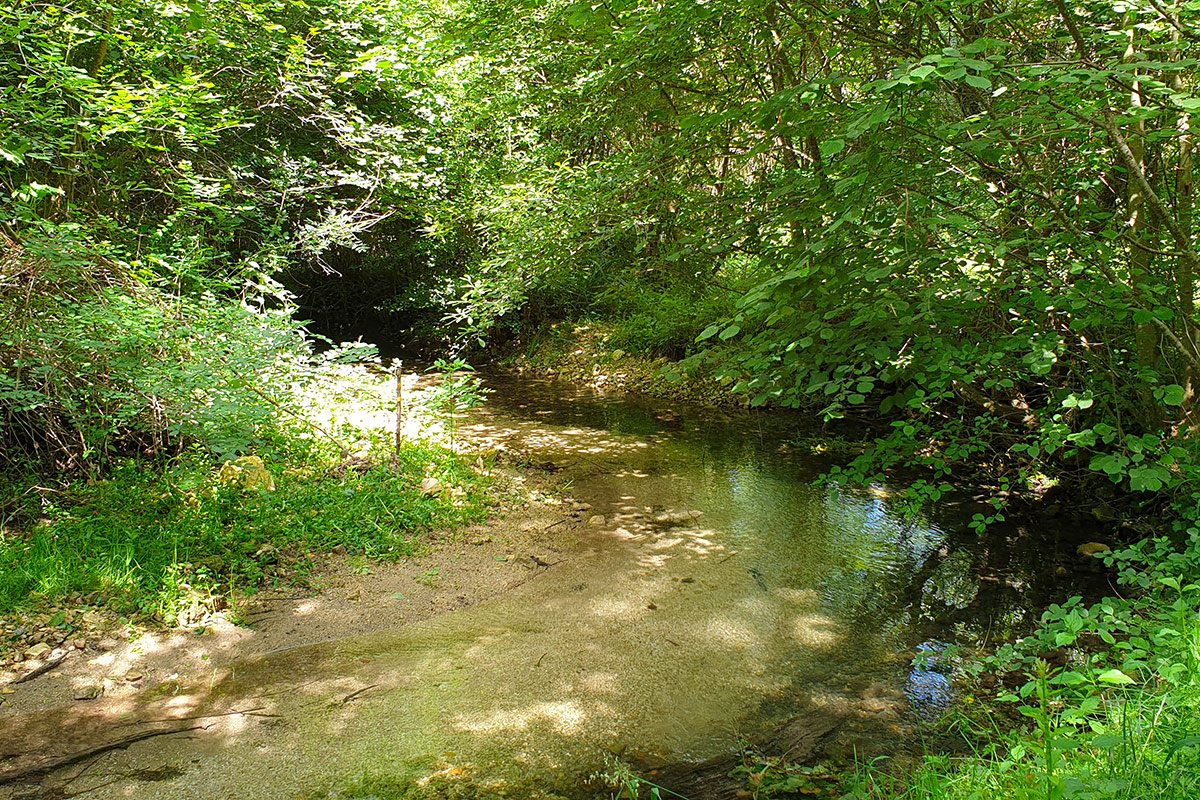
[1089, 549]
[133, 676]
[597, 521]
[247, 472]
[430, 486]
[38, 650]
[88, 692]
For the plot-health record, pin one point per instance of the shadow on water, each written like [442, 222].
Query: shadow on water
[919, 578]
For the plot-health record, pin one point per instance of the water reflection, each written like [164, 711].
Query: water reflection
[929, 688]
[892, 583]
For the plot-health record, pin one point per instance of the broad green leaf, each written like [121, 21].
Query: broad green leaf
[1173, 395]
[832, 147]
[1115, 677]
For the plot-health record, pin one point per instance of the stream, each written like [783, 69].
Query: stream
[711, 596]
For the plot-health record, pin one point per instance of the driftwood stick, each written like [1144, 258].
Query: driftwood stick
[42, 670]
[249, 712]
[52, 763]
[353, 695]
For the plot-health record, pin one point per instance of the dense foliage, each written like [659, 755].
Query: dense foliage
[972, 220]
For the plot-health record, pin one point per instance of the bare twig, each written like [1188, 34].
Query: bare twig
[353, 695]
[249, 712]
[42, 670]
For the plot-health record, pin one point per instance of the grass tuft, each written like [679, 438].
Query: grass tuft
[154, 539]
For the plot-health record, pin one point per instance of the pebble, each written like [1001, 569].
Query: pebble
[38, 650]
[133, 676]
[88, 692]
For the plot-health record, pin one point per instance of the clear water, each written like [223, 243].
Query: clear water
[726, 596]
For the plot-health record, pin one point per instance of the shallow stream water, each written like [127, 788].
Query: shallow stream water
[713, 594]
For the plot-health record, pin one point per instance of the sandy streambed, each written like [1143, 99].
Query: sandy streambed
[518, 662]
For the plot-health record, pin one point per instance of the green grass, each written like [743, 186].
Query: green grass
[150, 538]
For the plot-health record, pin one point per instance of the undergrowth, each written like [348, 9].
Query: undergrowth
[1119, 719]
[153, 537]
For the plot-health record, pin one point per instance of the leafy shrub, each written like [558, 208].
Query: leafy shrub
[148, 536]
[95, 362]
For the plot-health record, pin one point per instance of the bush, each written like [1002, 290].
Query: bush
[96, 362]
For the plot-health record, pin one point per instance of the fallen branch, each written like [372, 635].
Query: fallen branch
[248, 712]
[43, 669]
[353, 695]
[50, 764]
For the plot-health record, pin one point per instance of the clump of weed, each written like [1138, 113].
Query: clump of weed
[156, 538]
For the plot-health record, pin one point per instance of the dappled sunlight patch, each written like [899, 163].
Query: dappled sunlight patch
[147, 643]
[631, 473]
[618, 607]
[729, 632]
[104, 659]
[600, 683]
[698, 541]
[815, 630]
[449, 772]
[666, 543]
[654, 561]
[306, 608]
[564, 717]
[702, 545]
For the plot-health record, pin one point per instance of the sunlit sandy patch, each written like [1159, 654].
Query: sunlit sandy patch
[147, 644]
[614, 607]
[731, 633]
[814, 630]
[600, 683]
[566, 718]
[665, 543]
[656, 561]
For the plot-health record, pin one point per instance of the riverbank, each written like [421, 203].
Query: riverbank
[609, 526]
[580, 353]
